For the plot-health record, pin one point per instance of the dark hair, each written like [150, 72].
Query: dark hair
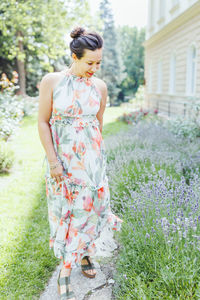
[83, 39]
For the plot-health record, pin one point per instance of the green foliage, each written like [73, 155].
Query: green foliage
[184, 127]
[33, 32]
[132, 53]
[110, 69]
[11, 108]
[40, 25]
[6, 157]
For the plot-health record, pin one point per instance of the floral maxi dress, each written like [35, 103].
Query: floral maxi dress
[79, 205]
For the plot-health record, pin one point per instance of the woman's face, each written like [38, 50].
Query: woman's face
[89, 63]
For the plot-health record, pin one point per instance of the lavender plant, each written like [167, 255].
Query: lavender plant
[160, 253]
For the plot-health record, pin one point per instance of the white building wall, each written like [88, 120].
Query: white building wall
[174, 97]
[172, 9]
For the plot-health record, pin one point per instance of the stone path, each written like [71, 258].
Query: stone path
[97, 288]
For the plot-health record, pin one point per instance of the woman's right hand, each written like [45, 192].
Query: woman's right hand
[57, 172]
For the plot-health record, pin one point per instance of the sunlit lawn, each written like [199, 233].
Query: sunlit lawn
[25, 259]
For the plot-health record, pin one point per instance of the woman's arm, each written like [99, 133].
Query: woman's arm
[44, 113]
[104, 93]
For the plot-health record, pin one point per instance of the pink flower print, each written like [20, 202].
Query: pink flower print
[74, 147]
[78, 129]
[101, 192]
[73, 231]
[55, 192]
[69, 110]
[67, 214]
[91, 250]
[73, 110]
[67, 264]
[47, 190]
[84, 224]
[90, 231]
[68, 239]
[81, 149]
[114, 219]
[87, 203]
[97, 142]
[76, 95]
[68, 156]
[81, 244]
[93, 102]
[69, 195]
[56, 138]
[80, 165]
[77, 181]
[51, 242]
[99, 211]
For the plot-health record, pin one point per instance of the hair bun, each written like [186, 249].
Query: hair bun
[76, 32]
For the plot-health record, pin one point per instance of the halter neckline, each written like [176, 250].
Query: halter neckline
[88, 81]
[78, 77]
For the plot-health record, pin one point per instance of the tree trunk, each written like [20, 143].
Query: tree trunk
[21, 67]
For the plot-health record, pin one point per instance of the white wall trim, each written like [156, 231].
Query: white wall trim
[172, 73]
[191, 72]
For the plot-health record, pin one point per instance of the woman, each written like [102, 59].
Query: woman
[70, 120]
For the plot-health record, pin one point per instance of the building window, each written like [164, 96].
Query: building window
[152, 13]
[150, 78]
[175, 2]
[191, 70]
[159, 77]
[172, 78]
[161, 9]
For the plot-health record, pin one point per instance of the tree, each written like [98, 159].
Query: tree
[110, 69]
[36, 29]
[132, 53]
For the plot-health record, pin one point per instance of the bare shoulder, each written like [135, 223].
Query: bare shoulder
[100, 84]
[50, 80]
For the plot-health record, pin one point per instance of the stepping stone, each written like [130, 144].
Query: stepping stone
[81, 285]
[105, 293]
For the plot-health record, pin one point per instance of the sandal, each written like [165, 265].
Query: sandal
[63, 288]
[88, 266]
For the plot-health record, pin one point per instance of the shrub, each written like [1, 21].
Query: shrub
[184, 128]
[12, 107]
[135, 116]
[6, 157]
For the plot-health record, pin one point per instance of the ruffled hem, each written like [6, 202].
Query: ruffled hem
[61, 225]
[73, 259]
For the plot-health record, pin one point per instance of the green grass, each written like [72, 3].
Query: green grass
[26, 263]
[113, 112]
[110, 125]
